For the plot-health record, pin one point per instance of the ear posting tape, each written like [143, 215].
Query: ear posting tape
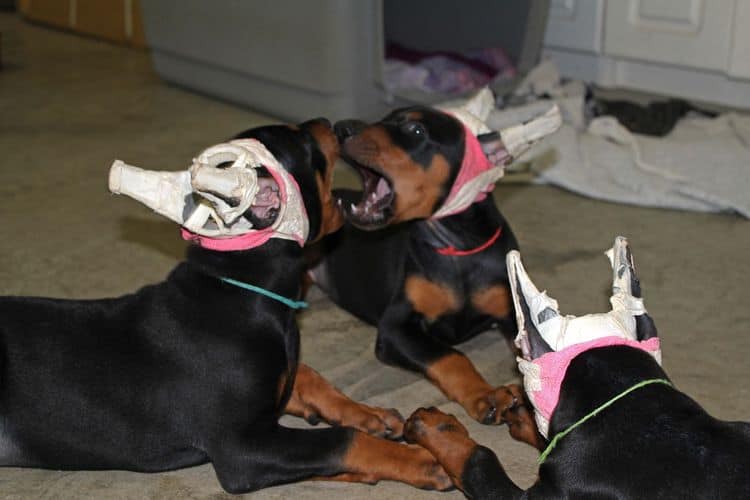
[213, 202]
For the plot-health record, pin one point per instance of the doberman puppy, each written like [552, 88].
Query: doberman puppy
[195, 369]
[621, 430]
[434, 273]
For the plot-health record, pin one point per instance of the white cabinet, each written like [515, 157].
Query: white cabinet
[692, 33]
[739, 58]
[697, 49]
[575, 24]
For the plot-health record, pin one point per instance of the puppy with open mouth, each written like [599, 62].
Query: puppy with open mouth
[422, 255]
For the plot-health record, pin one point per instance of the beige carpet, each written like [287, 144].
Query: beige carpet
[69, 106]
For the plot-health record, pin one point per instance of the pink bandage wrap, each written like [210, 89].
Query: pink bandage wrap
[476, 178]
[544, 375]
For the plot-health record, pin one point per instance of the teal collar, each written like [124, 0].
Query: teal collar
[595, 412]
[294, 304]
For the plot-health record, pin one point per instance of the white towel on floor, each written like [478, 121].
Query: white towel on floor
[702, 165]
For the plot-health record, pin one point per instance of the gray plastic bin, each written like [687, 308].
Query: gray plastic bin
[297, 59]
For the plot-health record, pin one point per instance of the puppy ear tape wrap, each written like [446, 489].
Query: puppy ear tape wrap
[486, 152]
[549, 341]
[209, 202]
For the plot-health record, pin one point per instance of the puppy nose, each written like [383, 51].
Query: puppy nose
[347, 128]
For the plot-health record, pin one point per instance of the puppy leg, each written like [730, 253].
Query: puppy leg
[403, 343]
[473, 468]
[457, 377]
[314, 398]
[371, 459]
[248, 461]
[521, 424]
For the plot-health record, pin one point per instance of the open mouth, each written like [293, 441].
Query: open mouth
[265, 208]
[375, 208]
[267, 203]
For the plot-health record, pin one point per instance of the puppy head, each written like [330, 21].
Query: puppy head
[407, 162]
[549, 341]
[308, 151]
[421, 162]
[269, 182]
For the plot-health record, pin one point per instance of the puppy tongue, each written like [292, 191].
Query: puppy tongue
[382, 188]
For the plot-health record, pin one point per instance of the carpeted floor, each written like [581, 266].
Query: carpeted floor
[69, 106]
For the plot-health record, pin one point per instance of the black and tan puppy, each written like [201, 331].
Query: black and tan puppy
[433, 274]
[618, 427]
[197, 368]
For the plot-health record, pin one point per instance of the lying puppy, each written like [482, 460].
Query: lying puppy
[434, 275]
[199, 367]
[619, 428]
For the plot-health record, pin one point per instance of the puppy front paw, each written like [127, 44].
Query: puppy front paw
[380, 422]
[444, 436]
[489, 407]
[522, 426]
[425, 425]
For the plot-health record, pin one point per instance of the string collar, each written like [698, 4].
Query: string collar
[454, 252]
[444, 240]
[294, 304]
[595, 412]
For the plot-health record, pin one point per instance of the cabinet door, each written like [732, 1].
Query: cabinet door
[693, 33]
[739, 62]
[575, 24]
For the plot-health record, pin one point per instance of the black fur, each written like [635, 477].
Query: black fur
[654, 443]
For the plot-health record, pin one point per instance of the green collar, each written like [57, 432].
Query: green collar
[294, 304]
[595, 412]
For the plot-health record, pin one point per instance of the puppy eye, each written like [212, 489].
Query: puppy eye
[414, 128]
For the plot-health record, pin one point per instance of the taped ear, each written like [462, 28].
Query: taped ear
[494, 149]
[213, 202]
[481, 103]
[474, 111]
[504, 146]
[533, 309]
[230, 190]
[645, 328]
[626, 289]
[511, 141]
[518, 139]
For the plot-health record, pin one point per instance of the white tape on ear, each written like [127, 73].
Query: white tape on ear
[544, 311]
[623, 277]
[238, 182]
[477, 174]
[210, 201]
[474, 111]
[520, 138]
[569, 336]
[163, 192]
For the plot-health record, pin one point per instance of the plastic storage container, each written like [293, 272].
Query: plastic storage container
[297, 60]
